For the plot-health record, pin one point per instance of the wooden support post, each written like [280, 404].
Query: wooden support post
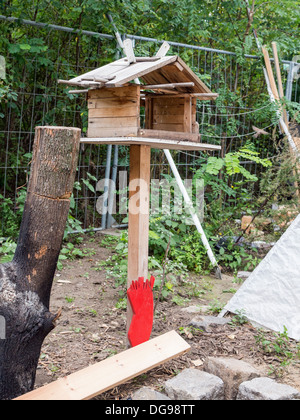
[270, 74]
[138, 224]
[25, 283]
[279, 79]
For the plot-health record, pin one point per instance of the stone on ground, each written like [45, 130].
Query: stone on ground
[205, 322]
[193, 384]
[232, 372]
[149, 394]
[266, 389]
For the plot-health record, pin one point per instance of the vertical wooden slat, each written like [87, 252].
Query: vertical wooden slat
[279, 78]
[138, 223]
[270, 73]
[187, 125]
[149, 113]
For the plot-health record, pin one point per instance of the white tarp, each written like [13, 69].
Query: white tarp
[271, 295]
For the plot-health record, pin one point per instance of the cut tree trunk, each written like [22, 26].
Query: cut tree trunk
[26, 282]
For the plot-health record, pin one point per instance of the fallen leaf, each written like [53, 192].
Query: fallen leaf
[231, 336]
[197, 362]
[188, 333]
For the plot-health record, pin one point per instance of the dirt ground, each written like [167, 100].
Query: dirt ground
[91, 328]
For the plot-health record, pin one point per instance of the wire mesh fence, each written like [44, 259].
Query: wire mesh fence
[31, 97]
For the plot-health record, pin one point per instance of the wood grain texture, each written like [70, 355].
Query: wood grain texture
[138, 218]
[159, 140]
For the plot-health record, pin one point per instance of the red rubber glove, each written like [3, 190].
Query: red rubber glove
[140, 295]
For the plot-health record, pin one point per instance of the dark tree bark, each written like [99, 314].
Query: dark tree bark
[26, 282]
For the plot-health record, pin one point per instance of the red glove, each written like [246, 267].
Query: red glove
[140, 295]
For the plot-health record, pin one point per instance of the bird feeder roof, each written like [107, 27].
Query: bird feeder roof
[150, 71]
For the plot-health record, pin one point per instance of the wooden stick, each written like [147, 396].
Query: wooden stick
[270, 73]
[277, 66]
[75, 92]
[201, 96]
[95, 79]
[162, 52]
[279, 78]
[129, 52]
[168, 86]
[146, 59]
[82, 84]
[164, 92]
[205, 95]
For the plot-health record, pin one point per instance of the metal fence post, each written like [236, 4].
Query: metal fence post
[106, 186]
[289, 84]
[112, 191]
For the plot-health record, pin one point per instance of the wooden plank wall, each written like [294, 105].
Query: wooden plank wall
[176, 114]
[114, 112]
[168, 114]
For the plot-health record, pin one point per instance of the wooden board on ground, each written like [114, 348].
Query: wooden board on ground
[114, 371]
[155, 143]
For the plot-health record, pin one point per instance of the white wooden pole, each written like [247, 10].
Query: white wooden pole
[196, 220]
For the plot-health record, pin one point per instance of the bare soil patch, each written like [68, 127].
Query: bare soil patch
[91, 327]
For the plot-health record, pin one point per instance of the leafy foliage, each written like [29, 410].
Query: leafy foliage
[29, 96]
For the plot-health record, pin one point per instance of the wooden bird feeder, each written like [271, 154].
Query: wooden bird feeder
[168, 90]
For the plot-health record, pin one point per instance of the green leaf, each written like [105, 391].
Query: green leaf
[13, 48]
[153, 235]
[214, 165]
[25, 47]
[89, 186]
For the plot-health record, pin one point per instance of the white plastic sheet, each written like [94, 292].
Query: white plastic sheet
[271, 295]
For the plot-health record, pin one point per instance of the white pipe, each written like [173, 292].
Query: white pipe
[189, 203]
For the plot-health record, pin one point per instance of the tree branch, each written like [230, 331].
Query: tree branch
[250, 14]
[232, 23]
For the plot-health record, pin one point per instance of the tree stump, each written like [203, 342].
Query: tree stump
[26, 282]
